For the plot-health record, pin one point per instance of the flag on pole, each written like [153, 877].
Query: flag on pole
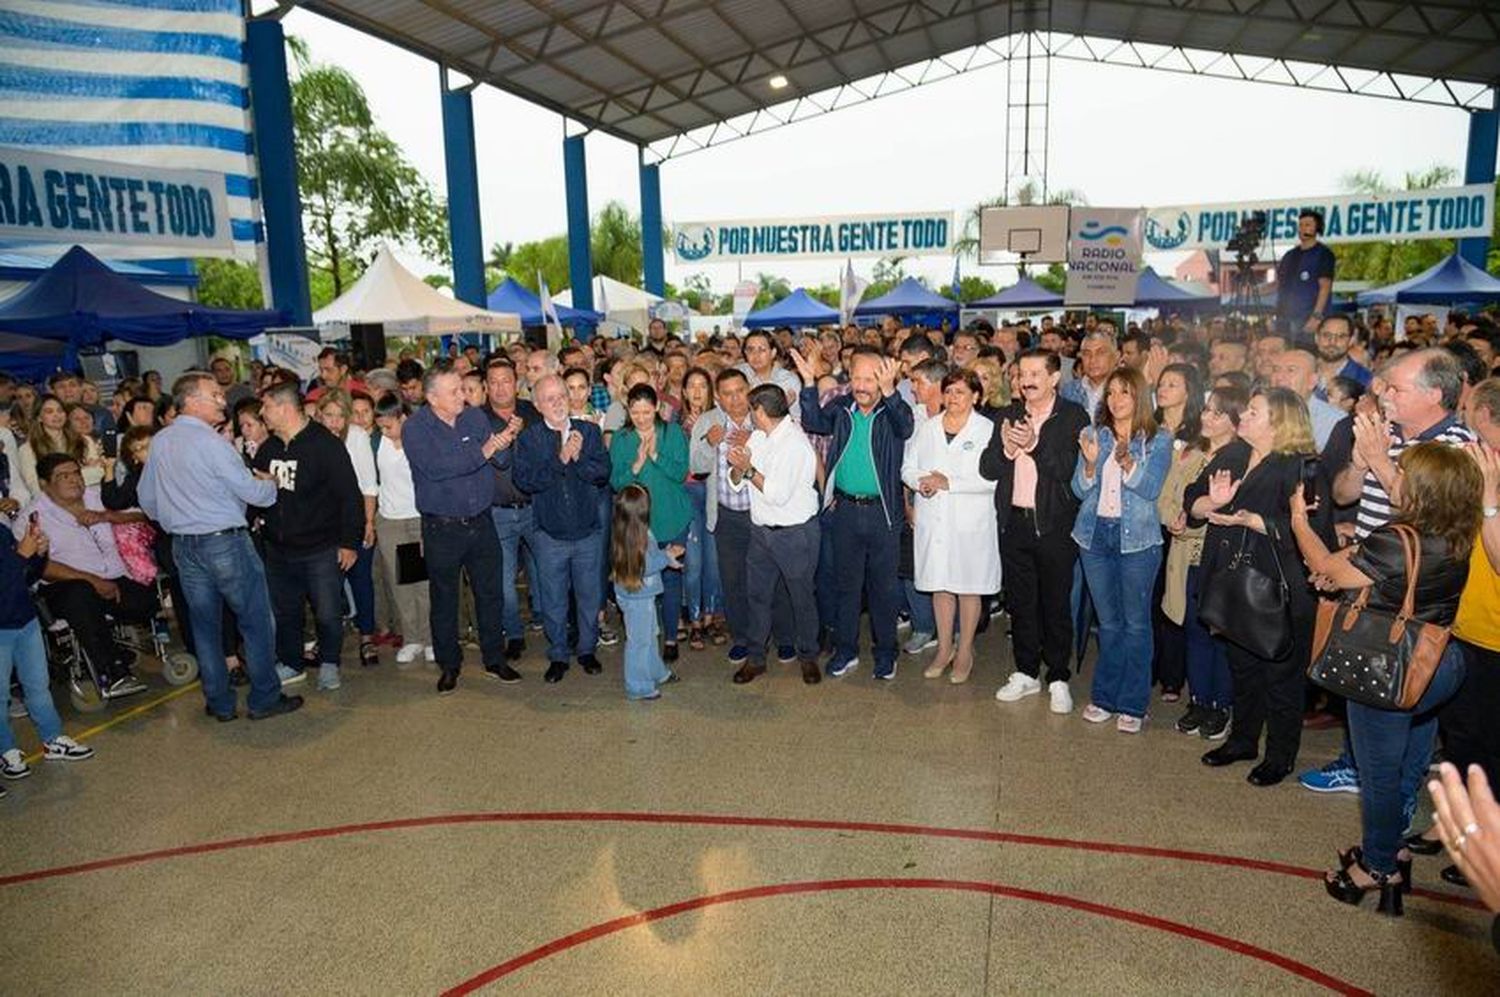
[851, 290]
[957, 282]
[549, 313]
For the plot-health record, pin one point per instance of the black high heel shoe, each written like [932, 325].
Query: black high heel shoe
[1344, 889]
[1354, 855]
[1423, 846]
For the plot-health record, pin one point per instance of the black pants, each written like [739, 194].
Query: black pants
[1471, 734]
[790, 554]
[1037, 572]
[452, 546]
[1169, 643]
[867, 550]
[732, 540]
[296, 580]
[1268, 694]
[85, 610]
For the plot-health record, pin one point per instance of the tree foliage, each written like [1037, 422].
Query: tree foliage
[228, 284]
[971, 288]
[1390, 261]
[358, 188]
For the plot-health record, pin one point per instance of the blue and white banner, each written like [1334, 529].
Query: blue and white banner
[45, 197]
[1440, 213]
[812, 238]
[134, 83]
[1104, 255]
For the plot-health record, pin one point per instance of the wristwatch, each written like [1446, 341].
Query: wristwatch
[750, 472]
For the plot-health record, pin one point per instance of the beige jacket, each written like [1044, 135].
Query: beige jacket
[1187, 547]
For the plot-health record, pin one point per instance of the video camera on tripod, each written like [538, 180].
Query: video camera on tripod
[1245, 245]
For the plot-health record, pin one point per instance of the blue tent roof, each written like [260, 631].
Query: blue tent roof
[796, 309]
[1025, 293]
[907, 298]
[1153, 292]
[1451, 282]
[83, 302]
[512, 297]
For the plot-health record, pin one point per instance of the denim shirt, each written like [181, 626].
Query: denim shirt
[651, 585]
[1140, 527]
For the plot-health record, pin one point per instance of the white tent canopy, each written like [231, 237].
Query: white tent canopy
[618, 301]
[390, 295]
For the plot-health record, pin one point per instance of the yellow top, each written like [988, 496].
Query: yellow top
[1478, 620]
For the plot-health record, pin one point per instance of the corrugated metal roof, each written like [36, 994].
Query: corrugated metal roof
[645, 70]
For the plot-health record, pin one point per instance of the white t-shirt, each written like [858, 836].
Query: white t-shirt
[398, 498]
[357, 442]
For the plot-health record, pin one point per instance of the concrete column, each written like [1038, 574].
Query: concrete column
[276, 162]
[464, 236]
[1484, 139]
[654, 263]
[580, 254]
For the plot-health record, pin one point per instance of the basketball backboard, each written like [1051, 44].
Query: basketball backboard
[1036, 234]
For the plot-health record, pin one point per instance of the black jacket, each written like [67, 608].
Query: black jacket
[1055, 454]
[318, 504]
[889, 432]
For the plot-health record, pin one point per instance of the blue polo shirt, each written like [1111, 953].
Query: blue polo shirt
[1297, 276]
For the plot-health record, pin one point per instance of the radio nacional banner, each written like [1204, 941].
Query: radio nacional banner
[1441, 213]
[813, 238]
[45, 197]
[1104, 255]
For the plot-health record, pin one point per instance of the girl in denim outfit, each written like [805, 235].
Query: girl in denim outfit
[636, 563]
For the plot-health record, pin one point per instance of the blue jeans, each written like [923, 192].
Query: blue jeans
[1120, 585]
[868, 552]
[23, 650]
[1394, 748]
[919, 607]
[644, 669]
[669, 608]
[825, 581]
[218, 570]
[514, 527]
[362, 585]
[700, 579]
[565, 566]
[295, 579]
[1207, 661]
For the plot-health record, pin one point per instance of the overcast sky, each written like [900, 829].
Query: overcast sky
[1123, 137]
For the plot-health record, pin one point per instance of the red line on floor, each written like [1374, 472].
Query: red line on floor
[597, 931]
[705, 820]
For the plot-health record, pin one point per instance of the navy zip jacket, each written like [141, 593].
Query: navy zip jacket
[564, 497]
[890, 429]
[16, 575]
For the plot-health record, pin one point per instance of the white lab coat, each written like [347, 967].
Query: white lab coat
[957, 548]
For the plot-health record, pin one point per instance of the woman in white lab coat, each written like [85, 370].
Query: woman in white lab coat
[957, 554]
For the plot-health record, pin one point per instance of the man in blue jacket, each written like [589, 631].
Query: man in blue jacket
[862, 488]
[561, 462]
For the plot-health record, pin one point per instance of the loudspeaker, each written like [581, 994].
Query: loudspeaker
[367, 343]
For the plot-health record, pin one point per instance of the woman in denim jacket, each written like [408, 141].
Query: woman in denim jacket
[1122, 461]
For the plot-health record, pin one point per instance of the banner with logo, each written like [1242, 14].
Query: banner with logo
[813, 238]
[1104, 255]
[45, 197]
[1441, 213]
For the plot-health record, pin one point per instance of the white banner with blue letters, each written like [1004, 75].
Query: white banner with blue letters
[1440, 213]
[1104, 255]
[909, 234]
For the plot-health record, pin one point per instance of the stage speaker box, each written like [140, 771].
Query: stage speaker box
[367, 343]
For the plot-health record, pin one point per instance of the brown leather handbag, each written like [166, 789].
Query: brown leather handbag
[1376, 658]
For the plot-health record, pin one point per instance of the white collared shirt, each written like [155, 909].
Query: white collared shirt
[789, 468]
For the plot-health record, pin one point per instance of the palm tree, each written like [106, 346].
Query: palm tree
[1390, 261]
[500, 254]
[772, 289]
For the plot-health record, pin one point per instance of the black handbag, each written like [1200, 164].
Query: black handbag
[1246, 606]
[1376, 658]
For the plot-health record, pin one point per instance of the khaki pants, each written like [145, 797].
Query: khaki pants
[410, 601]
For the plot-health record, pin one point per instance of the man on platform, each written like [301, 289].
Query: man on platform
[1304, 278]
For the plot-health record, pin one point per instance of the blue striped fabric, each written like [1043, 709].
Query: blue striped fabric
[169, 90]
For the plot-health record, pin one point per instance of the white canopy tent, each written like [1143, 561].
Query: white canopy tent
[618, 301]
[392, 296]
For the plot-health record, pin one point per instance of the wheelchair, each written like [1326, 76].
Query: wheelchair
[87, 687]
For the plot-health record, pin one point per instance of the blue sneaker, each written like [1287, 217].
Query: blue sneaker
[1338, 776]
[738, 655]
[839, 667]
[885, 672]
[786, 653]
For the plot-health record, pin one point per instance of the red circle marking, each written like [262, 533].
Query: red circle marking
[703, 820]
[619, 924]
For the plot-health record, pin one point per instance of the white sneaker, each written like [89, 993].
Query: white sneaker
[408, 653]
[431, 654]
[17, 708]
[1062, 697]
[1127, 724]
[289, 676]
[919, 641]
[13, 766]
[63, 748]
[1096, 714]
[328, 677]
[1018, 686]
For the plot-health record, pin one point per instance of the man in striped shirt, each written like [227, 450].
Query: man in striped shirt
[1419, 403]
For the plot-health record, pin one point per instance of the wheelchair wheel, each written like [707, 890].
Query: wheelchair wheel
[84, 695]
[179, 667]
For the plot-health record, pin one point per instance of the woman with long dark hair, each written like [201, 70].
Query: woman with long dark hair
[1441, 489]
[1179, 410]
[701, 573]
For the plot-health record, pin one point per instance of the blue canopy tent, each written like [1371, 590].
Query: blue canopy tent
[1454, 281]
[1153, 292]
[797, 310]
[910, 300]
[83, 303]
[512, 297]
[1025, 293]
[29, 358]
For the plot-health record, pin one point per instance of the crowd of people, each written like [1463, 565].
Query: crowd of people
[765, 493]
